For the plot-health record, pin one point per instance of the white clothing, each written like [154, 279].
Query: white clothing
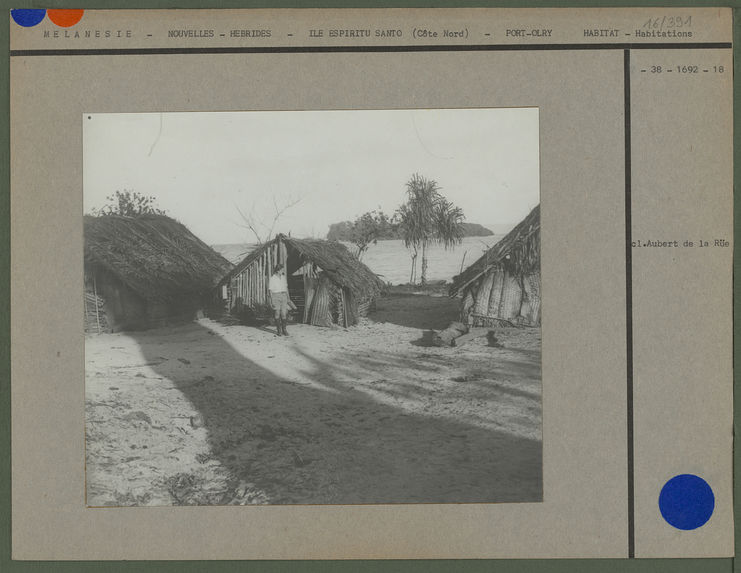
[278, 283]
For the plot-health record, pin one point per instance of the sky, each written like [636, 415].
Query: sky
[204, 168]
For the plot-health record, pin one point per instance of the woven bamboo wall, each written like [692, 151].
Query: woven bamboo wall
[320, 313]
[509, 305]
[486, 285]
[500, 295]
[495, 298]
[531, 299]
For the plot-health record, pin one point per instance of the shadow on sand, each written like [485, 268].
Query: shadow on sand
[416, 311]
[316, 440]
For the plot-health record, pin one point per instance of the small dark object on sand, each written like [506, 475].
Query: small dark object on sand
[493, 341]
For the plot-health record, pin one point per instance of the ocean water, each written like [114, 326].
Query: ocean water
[392, 261]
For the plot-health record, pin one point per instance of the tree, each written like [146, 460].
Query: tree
[449, 225]
[129, 204]
[410, 235]
[375, 223]
[263, 231]
[428, 217]
[364, 232]
[367, 229]
[341, 231]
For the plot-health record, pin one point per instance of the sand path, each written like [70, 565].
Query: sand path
[211, 414]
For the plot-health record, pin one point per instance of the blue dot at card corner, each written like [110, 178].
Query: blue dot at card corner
[686, 502]
[28, 17]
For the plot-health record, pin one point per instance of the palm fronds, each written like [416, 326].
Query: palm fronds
[428, 217]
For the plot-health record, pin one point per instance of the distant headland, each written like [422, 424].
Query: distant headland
[343, 231]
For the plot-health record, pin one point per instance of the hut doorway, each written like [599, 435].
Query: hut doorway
[318, 300]
[307, 289]
[301, 278]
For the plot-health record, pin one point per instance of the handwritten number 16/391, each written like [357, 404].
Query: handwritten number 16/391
[668, 22]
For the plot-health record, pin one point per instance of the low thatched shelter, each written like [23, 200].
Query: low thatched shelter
[326, 283]
[145, 271]
[503, 286]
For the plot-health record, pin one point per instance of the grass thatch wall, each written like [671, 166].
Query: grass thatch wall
[149, 270]
[503, 286]
[340, 265]
[333, 257]
[248, 280]
[518, 252]
[155, 256]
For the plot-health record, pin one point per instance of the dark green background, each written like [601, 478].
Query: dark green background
[469, 566]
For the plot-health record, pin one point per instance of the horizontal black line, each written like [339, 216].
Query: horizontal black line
[367, 49]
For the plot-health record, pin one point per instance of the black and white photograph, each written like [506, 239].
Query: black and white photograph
[312, 307]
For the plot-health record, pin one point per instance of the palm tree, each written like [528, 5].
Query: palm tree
[448, 223]
[428, 217]
[410, 234]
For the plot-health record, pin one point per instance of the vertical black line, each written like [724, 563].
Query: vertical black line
[629, 307]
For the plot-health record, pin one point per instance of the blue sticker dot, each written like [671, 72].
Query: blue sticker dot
[686, 501]
[28, 17]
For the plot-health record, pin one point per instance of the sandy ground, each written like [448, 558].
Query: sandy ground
[206, 413]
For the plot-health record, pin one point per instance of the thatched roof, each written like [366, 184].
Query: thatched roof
[519, 250]
[332, 257]
[154, 255]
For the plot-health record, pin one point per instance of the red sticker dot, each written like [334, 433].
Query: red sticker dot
[65, 18]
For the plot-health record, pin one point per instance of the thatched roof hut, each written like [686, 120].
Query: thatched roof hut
[503, 285]
[147, 270]
[326, 282]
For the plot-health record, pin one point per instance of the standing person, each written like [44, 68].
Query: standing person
[278, 287]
